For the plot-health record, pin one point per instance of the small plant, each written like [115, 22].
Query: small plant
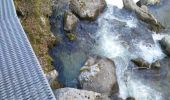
[71, 36]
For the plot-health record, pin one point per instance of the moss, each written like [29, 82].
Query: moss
[55, 85]
[71, 36]
[35, 21]
[84, 69]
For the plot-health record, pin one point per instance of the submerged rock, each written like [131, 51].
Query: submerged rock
[165, 45]
[98, 74]
[147, 2]
[87, 9]
[70, 21]
[130, 98]
[75, 94]
[143, 15]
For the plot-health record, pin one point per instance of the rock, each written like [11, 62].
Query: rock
[147, 2]
[143, 64]
[165, 45]
[87, 9]
[52, 79]
[98, 74]
[156, 64]
[20, 12]
[75, 94]
[145, 8]
[51, 76]
[143, 15]
[70, 21]
[130, 98]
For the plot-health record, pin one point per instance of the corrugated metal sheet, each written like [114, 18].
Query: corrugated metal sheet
[21, 76]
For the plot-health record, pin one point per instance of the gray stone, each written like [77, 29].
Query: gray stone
[75, 94]
[144, 15]
[70, 21]
[98, 74]
[145, 8]
[165, 44]
[52, 76]
[130, 98]
[147, 2]
[87, 9]
[143, 64]
[156, 64]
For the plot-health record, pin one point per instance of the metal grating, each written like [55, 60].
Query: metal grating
[21, 76]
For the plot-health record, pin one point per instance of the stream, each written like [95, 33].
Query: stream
[120, 36]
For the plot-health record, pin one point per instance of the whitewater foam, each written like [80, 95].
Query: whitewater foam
[117, 3]
[151, 52]
[111, 46]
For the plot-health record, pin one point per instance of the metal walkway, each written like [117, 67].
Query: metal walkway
[21, 76]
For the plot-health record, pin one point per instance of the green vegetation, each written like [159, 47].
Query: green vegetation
[34, 15]
[71, 36]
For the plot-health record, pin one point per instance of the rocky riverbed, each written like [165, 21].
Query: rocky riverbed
[112, 50]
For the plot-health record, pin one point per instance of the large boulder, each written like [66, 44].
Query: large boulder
[99, 75]
[75, 94]
[147, 2]
[165, 45]
[87, 9]
[70, 21]
[143, 15]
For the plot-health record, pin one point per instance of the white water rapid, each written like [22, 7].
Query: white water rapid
[112, 46]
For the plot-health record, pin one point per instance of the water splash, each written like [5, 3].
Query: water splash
[117, 3]
[112, 47]
[150, 52]
[141, 91]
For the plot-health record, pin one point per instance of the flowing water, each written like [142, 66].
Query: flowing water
[118, 35]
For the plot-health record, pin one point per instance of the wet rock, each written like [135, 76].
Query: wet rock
[156, 64]
[98, 74]
[165, 45]
[147, 2]
[143, 64]
[143, 15]
[70, 21]
[130, 98]
[116, 97]
[75, 94]
[87, 9]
